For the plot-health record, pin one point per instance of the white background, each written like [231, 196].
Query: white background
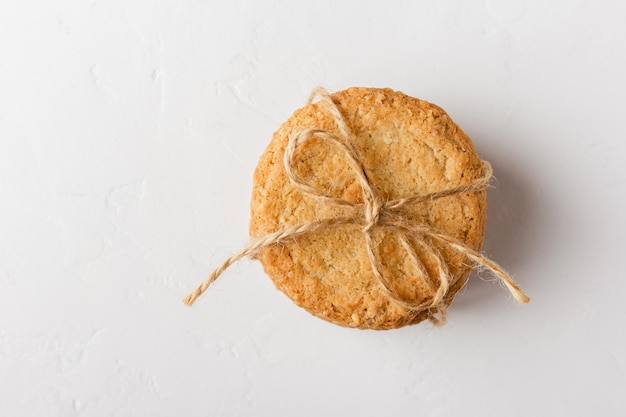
[129, 132]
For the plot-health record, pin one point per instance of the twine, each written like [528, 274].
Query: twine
[374, 212]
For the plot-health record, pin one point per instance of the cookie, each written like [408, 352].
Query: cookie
[407, 147]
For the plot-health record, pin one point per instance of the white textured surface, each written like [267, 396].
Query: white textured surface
[129, 131]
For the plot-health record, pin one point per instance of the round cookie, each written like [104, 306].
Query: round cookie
[408, 147]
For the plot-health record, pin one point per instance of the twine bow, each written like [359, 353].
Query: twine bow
[374, 212]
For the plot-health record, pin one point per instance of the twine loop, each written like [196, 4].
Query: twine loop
[373, 213]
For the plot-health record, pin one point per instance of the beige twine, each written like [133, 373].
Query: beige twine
[374, 212]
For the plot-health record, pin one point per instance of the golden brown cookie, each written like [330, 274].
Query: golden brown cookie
[407, 146]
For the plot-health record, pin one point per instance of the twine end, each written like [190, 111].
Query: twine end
[189, 300]
[522, 298]
[516, 291]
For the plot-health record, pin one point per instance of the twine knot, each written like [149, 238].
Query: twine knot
[374, 212]
[373, 208]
